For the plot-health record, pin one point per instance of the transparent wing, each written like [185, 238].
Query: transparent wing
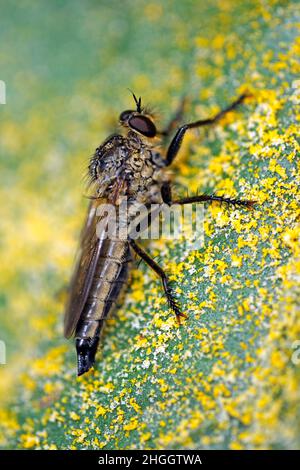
[86, 262]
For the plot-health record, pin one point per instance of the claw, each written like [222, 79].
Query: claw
[246, 94]
[179, 316]
[250, 205]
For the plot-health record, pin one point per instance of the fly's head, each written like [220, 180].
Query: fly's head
[138, 120]
[127, 160]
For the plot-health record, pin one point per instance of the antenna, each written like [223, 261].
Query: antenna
[138, 102]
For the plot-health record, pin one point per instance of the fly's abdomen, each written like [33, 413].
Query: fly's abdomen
[110, 275]
[109, 278]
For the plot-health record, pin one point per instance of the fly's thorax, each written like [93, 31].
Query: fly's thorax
[124, 165]
[140, 168]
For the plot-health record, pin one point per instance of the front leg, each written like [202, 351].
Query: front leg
[165, 281]
[176, 142]
[167, 198]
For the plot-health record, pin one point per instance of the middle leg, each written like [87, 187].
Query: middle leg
[167, 198]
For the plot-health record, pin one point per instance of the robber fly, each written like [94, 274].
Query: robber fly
[125, 165]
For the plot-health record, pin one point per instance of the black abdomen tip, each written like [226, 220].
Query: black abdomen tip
[86, 351]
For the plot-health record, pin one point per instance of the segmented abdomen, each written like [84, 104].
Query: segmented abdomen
[110, 276]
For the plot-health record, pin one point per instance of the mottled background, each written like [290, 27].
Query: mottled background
[227, 378]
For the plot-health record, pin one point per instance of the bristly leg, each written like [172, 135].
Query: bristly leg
[167, 198]
[176, 142]
[173, 304]
[210, 198]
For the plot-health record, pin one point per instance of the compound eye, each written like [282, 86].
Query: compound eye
[125, 115]
[143, 125]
